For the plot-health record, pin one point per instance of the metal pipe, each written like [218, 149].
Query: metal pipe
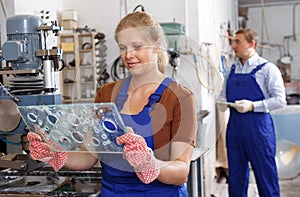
[294, 21]
[270, 4]
[48, 76]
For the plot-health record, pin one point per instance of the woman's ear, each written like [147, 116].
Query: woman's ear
[157, 48]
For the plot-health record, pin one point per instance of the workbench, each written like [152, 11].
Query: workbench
[195, 179]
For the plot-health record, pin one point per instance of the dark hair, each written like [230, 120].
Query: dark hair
[151, 29]
[250, 35]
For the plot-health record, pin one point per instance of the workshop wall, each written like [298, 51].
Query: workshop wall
[8, 10]
[278, 24]
[28, 7]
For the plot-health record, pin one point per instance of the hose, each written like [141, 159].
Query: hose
[114, 69]
[199, 77]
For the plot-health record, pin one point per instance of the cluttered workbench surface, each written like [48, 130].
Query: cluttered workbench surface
[43, 181]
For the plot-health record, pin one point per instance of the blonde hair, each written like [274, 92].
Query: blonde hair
[151, 29]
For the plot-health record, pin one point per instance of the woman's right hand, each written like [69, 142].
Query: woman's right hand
[40, 150]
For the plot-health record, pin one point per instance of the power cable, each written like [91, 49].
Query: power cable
[116, 67]
[139, 6]
[206, 85]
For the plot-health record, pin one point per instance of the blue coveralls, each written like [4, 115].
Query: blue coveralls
[125, 183]
[250, 137]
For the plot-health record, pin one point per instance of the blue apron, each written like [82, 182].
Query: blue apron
[122, 181]
[250, 138]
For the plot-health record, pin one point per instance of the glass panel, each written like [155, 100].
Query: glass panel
[89, 127]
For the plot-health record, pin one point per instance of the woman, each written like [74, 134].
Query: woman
[160, 115]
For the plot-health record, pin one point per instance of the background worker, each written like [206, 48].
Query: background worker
[256, 87]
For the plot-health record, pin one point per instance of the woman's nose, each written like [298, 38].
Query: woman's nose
[130, 53]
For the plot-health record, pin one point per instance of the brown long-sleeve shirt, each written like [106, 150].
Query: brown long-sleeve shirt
[173, 118]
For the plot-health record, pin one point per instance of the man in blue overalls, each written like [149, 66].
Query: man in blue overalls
[256, 87]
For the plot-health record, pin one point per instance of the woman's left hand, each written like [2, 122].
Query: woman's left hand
[140, 156]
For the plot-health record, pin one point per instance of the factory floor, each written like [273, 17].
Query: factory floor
[288, 188]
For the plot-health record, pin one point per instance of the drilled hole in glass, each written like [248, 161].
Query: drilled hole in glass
[96, 129]
[109, 126]
[32, 117]
[40, 123]
[59, 113]
[86, 121]
[95, 141]
[104, 136]
[107, 142]
[73, 119]
[77, 137]
[65, 142]
[52, 120]
[85, 129]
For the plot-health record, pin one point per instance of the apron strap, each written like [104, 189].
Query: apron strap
[122, 96]
[232, 69]
[155, 97]
[258, 68]
[252, 72]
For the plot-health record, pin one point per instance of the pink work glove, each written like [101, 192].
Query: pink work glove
[39, 150]
[140, 156]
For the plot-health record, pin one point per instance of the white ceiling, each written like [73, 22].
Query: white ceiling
[258, 3]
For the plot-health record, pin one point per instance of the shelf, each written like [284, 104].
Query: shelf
[86, 50]
[87, 83]
[69, 84]
[69, 68]
[67, 100]
[86, 66]
[68, 51]
[87, 100]
[84, 69]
